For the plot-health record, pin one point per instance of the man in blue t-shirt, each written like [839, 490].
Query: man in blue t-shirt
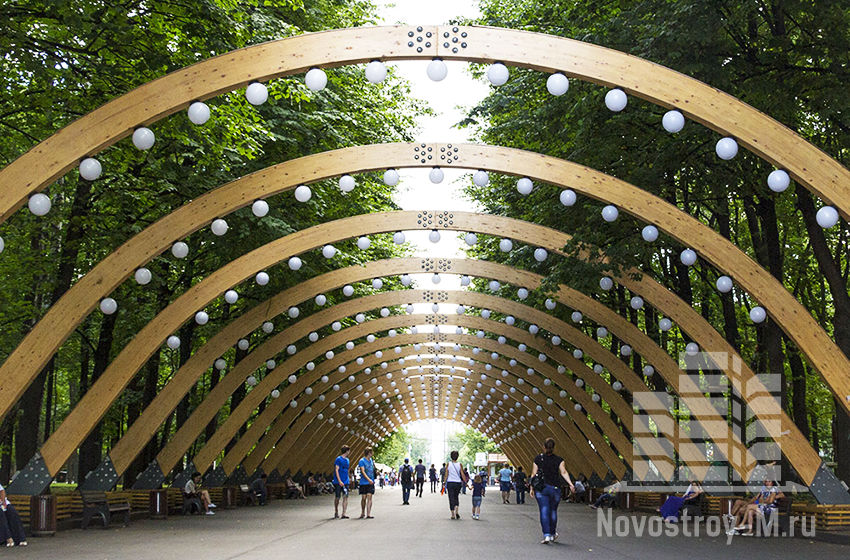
[366, 466]
[505, 477]
[340, 482]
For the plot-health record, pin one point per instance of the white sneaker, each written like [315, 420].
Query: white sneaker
[731, 532]
[210, 513]
[555, 537]
[212, 505]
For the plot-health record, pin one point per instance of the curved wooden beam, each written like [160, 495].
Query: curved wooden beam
[719, 111]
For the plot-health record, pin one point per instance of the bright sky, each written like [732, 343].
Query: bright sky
[449, 100]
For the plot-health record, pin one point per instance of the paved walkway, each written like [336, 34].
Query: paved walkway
[304, 530]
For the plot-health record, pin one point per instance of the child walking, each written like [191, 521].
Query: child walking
[477, 495]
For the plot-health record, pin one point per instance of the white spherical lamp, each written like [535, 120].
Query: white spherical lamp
[726, 148]
[778, 180]
[321, 300]
[510, 320]
[436, 175]
[601, 332]
[173, 342]
[557, 84]
[691, 349]
[636, 302]
[485, 313]
[328, 251]
[470, 239]
[616, 100]
[649, 233]
[262, 278]
[481, 178]
[505, 245]
[688, 257]
[391, 177]
[665, 324]
[363, 243]
[219, 227]
[143, 276]
[673, 121]
[231, 296]
[567, 197]
[465, 280]
[243, 344]
[220, 364]
[260, 208]
[827, 217]
[108, 306]
[498, 74]
[202, 317]
[293, 312]
[758, 314]
[268, 327]
[626, 350]
[522, 293]
[303, 193]
[199, 113]
[346, 183]
[524, 186]
[437, 70]
[435, 278]
[316, 79]
[39, 204]
[576, 316]
[143, 138]
[377, 283]
[275, 394]
[376, 72]
[399, 237]
[256, 93]
[90, 169]
[610, 213]
[724, 284]
[606, 283]
[434, 236]
[493, 285]
[348, 290]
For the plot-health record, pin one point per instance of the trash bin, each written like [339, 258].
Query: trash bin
[228, 497]
[43, 515]
[158, 504]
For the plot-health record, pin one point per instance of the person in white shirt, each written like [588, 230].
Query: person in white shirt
[191, 491]
[455, 480]
[11, 528]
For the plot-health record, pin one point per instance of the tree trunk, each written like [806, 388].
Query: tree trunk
[91, 450]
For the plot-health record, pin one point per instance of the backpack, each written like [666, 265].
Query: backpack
[406, 473]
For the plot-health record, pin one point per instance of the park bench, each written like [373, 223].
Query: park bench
[96, 503]
[247, 495]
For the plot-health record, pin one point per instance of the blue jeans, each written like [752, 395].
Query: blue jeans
[405, 492]
[548, 500]
[520, 495]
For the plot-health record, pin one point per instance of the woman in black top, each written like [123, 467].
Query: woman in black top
[432, 473]
[552, 468]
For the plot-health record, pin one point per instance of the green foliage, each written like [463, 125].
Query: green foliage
[398, 446]
[470, 441]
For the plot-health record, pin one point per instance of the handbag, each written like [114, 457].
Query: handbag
[537, 482]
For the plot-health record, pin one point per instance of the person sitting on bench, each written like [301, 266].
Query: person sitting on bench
[258, 487]
[673, 504]
[191, 491]
[762, 504]
[11, 528]
[293, 490]
[608, 498]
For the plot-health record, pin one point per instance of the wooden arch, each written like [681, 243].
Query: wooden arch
[146, 104]
[44, 339]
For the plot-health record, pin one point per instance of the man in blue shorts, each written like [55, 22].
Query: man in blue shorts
[341, 482]
[367, 483]
[505, 477]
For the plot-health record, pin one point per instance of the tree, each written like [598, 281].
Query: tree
[470, 441]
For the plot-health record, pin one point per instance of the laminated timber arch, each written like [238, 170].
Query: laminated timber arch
[159, 98]
[809, 166]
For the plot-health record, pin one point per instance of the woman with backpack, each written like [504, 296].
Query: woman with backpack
[546, 476]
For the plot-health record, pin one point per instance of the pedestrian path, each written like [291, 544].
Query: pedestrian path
[305, 529]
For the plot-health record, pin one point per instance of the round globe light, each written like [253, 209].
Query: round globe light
[376, 72]
[509, 320]
[610, 213]
[557, 84]
[724, 284]
[377, 283]
[601, 332]
[498, 74]
[251, 381]
[220, 364]
[505, 245]
[485, 313]
[636, 302]
[173, 342]
[726, 148]
[470, 239]
[550, 304]
[522, 293]
[328, 251]
[391, 177]
[434, 236]
[243, 344]
[346, 183]
[202, 318]
[617, 386]
[436, 278]
[465, 280]
[494, 285]
[260, 208]
[199, 113]
[219, 227]
[576, 316]
[616, 100]
[108, 306]
[626, 350]
[303, 193]
[673, 121]
[321, 300]
[540, 254]
[577, 354]
[294, 263]
[385, 312]
[313, 336]
[268, 327]
[437, 70]
[665, 324]
[271, 364]
[778, 180]
[533, 329]
[567, 197]
[524, 186]
[436, 175]
[231, 297]
[648, 370]
[649, 233]
[348, 290]
[143, 276]
[363, 243]
[827, 217]
[90, 169]
[758, 314]
[293, 312]
[597, 369]
[606, 283]
[256, 93]
[481, 178]
[39, 204]
[398, 237]
[143, 138]
[579, 383]
[556, 340]
[275, 393]
[688, 257]
[316, 79]
[2, 244]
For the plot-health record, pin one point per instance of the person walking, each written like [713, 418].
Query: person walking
[432, 475]
[546, 476]
[478, 491]
[455, 480]
[340, 481]
[505, 477]
[366, 465]
[405, 473]
[519, 484]
[420, 478]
